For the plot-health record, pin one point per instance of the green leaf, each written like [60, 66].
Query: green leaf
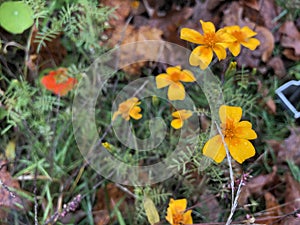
[15, 17]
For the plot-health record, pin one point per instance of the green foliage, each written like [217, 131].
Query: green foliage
[82, 22]
[15, 17]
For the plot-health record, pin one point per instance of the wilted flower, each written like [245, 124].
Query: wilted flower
[129, 108]
[173, 79]
[179, 117]
[243, 36]
[210, 41]
[59, 82]
[236, 134]
[176, 214]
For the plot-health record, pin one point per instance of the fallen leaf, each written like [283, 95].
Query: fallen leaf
[256, 185]
[262, 12]
[10, 150]
[289, 148]
[277, 65]
[133, 35]
[270, 103]
[101, 217]
[8, 199]
[107, 198]
[292, 201]
[121, 12]
[290, 37]
[272, 211]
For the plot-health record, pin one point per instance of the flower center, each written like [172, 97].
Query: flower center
[178, 219]
[210, 39]
[240, 36]
[175, 76]
[228, 129]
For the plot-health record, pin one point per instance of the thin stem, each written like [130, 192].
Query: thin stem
[229, 164]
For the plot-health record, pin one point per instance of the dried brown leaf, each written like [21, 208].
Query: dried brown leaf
[289, 148]
[277, 65]
[8, 199]
[292, 194]
[273, 210]
[122, 10]
[133, 35]
[290, 37]
[256, 185]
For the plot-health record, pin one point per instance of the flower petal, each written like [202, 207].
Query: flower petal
[191, 35]
[251, 43]
[201, 56]
[208, 27]
[135, 113]
[177, 123]
[248, 31]
[176, 91]
[173, 69]
[230, 112]
[187, 217]
[179, 205]
[235, 48]
[163, 80]
[220, 51]
[214, 149]
[187, 76]
[244, 130]
[240, 149]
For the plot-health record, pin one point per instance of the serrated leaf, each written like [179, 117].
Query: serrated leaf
[151, 211]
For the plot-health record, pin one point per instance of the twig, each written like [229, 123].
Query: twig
[67, 208]
[229, 163]
[35, 198]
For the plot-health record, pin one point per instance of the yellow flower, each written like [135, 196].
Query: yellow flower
[211, 41]
[243, 37]
[173, 79]
[236, 134]
[176, 214]
[107, 145]
[128, 109]
[179, 117]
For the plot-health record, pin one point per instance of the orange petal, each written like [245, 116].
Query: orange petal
[214, 149]
[251, 43]
[187, 76]
[187, 217]
[235, 48]
[201, 56]
[248, 31]
[230, 112]
[220, 51]
[135, 113]
[244, 130]
[191, 36]
[179, 205]
[173, 69]
[208, 27]
[176, 91]
[177, 123]
[169, 216]
[241, 149]
[163, 80]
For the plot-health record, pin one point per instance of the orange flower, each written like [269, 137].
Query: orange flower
[243, 37]
[179, 117]
[210, 41]
[129, 108]
[176, 214]
[59, 82]
[236, 134]
[173, 79]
